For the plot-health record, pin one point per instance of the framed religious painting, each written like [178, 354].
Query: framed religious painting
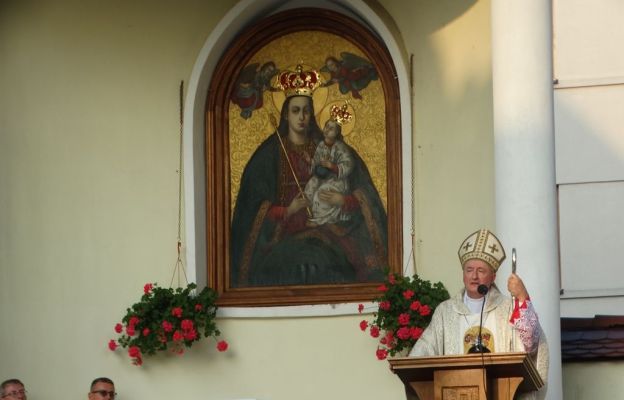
[303, 163]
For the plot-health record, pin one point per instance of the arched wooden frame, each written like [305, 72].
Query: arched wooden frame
[218, 169]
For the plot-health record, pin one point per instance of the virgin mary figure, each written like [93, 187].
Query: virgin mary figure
[271, 242]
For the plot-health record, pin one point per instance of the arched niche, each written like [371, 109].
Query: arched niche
[244, 14]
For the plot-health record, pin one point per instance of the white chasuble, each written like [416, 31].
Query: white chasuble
[469, 332]
[454, 322]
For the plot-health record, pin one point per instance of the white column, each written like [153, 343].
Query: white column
[526, 216]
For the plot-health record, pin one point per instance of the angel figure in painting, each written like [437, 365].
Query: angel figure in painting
[250, 86]
[271, 242]
[352, 73]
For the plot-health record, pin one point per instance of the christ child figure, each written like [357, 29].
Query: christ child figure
[331, 165]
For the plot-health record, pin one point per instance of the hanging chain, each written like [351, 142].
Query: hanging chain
[412, 256]
[179, 265]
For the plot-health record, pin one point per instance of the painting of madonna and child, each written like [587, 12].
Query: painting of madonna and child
[308, 172]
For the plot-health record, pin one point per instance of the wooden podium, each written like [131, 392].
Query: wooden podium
[468, 376]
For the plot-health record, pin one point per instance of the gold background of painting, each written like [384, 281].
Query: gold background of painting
[367, 135]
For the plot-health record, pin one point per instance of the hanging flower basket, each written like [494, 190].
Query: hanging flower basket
[405, 309]
[167, 320]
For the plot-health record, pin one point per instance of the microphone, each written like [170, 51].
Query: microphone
[479, 347]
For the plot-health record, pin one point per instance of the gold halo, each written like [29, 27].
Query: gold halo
[319, 97]
[324, 116]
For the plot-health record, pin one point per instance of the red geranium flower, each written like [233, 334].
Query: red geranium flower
[130, 330]
[146, 331]
[177, 336]
[186, 324]
[118, 328]
[408, 294]
[198, 307]
[416, 332]
[382, 354]
[360, 308]
[404, 319]
[425, 310]
[415, 305]
[190, 335]
[147, 288]
[363, 325]
[391, 279]
[382, 288]
[112, 345]
[374, 331]
[134, 352]
[167, 327]
[404, 333]
[176, 312]
[222, 345]
[384, 305]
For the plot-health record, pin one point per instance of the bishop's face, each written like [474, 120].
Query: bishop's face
[477, 272]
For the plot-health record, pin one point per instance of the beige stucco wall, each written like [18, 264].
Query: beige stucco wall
[88, 197]
[453, 145]
[592, 380]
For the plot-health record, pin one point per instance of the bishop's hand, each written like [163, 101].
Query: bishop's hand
[516, 288]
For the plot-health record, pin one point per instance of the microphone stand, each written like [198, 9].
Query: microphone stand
[479, 347]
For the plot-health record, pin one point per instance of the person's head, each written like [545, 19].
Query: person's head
[480, 255]
[477, 272]
[299, 112]
[298, 116]
[102, 388]
[338, 116]
[12, 389]
[332, 131]
[332, 63]
[268, 70]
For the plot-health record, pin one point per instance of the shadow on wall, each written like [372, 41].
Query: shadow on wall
[452, 126]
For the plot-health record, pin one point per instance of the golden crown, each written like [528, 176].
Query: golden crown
[340, 114]
[299, 82]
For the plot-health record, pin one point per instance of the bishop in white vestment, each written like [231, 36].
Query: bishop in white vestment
[508, 325]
